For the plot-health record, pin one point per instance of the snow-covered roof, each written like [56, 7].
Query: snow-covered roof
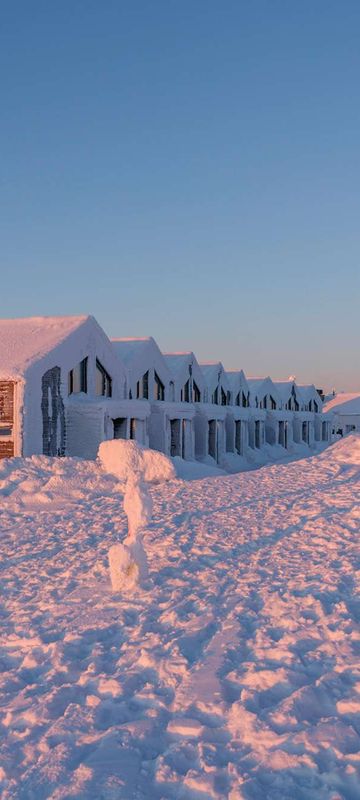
[24, 341]
[309, 392]
[237, 379]
[344, 403]
[129, 349]
[284, 389]
[176, 362]
[257, 385]
[211, 372]
[140, 355]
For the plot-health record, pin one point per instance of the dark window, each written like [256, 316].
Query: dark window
[132, 428]
[238, 399]
[186, 392]
[138, 390]
[120, 427]
[196, 393]
[273, 404]
[245, 400]
[159, 388]
[264, 403]
[5, 431]
[103, 381]
[228, 398]
[215, 397]
[145, 385]
[316, 407]
[223, 397]
[77, 378]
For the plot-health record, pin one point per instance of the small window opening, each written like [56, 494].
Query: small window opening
[103, 381]
[196, 393]
[77, 378]
[159, 388]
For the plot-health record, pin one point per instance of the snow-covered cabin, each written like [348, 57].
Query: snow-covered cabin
[264, 400]
[344, 411]
[310, 425]
[61, 387]
[282, 419]
[187, 387]
[238, 416]
[150, 380]
[209, 423]
[187, 384]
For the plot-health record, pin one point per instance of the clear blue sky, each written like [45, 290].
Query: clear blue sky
[189, 170]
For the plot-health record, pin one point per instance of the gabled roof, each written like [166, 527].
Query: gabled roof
[259, 387]
[237, 379]
[284, 389]
[24, 341]
[211, 372]
[178, 362]
[129, 349]
[344, 403]
[138, 354]
[309, 392]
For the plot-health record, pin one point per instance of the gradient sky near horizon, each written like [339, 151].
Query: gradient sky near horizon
[189, 170]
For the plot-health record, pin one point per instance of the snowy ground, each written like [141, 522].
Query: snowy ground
[234, 674]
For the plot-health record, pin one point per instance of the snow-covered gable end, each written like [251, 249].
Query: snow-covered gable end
[291, 399]
[149, 376]
[49, 360]
[239, 388]
[187, 383]
[310, 397]
[263, 394]
[217, 387]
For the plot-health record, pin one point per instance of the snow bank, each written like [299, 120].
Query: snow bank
[123, 458]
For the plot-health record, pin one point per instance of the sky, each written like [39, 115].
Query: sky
[187, 170]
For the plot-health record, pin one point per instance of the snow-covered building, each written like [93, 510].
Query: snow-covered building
[239, 413]
[151, 380]
[344, 411]
[65, 388]
[210, 418]
[62, 391]
[187, 388]
[310, 424]
[264, 423]
[291, 402]
[187, 384]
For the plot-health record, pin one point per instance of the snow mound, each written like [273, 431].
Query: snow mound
[123, 458]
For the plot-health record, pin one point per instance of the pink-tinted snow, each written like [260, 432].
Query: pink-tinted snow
[23, 341]
[234, 673]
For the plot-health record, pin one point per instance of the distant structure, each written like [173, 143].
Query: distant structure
[65, 387]
[345, 408]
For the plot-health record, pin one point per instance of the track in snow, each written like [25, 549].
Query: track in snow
[234, 674]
